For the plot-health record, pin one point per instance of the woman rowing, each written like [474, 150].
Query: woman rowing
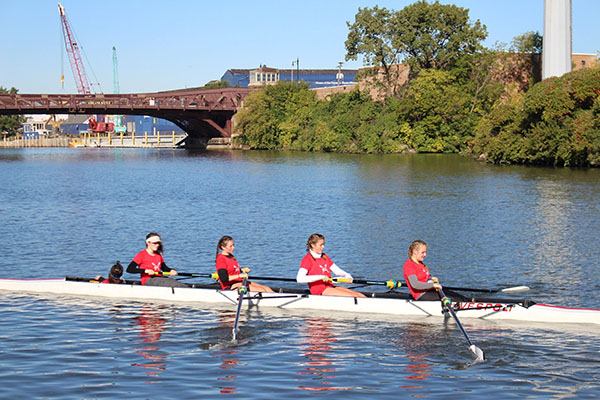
[231, 276]
[418, 278]
[150, 265]
[316, 268]
[421, 284]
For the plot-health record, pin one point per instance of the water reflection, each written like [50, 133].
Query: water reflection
[226, 353]
[151, 327]
[320, 368]
[414, 340]
[229, 360]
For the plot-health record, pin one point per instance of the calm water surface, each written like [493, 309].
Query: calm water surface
[75, 212]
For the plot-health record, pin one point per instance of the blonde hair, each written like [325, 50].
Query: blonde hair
[414, 246]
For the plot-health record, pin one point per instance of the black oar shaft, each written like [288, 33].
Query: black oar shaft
[448, 304]
[270, 278]
[242, 291]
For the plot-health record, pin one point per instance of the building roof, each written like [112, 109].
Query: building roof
[241, 71]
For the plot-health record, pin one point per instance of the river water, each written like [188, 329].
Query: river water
[75, 212]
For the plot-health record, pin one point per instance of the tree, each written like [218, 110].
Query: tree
[10, 123]
[425, 36]
[528, 42]
[435, 36]
[371, 36]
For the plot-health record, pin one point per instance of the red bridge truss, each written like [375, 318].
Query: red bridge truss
[202, 113]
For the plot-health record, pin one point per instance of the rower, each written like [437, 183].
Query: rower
[231, 276]
[316, 268]
[150, 264]
[418, 278]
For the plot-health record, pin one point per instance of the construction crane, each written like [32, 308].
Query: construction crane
[116, 88]
[118, 119]
[81, 79]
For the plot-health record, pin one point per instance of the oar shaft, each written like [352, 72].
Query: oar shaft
[448, 304]
[242, 291]
[214, 275]
[472, 289]
[270, 278]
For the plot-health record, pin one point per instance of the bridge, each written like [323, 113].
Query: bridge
[202, 113]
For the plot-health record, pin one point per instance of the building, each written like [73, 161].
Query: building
[316, 78]
[37, 125]
[263, 76]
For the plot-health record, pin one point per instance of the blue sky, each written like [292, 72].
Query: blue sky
[163, 45]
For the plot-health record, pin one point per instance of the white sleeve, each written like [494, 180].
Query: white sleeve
[340, 272]
[303, 277]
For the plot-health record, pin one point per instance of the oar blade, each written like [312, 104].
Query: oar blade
[516, 289]
[479, 356]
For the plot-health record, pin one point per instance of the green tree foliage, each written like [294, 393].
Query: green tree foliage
[371, 36]
[555, 123]
[216, 85]
[274, 116]
[436, 36]
[288, 116]
[528, 43]
[10, 123]
[436, 110]
[426, 36]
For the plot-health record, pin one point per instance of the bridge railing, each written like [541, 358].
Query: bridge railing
[223, 99]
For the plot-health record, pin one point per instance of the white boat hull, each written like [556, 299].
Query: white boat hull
[488, 310]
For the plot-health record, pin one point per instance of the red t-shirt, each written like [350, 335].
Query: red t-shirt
[317, 266]
[230, 264]
[423, 275]
[146, 261]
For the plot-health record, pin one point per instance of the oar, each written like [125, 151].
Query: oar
[214, 275]
[242, 291]
[448, 304]
[390, 283]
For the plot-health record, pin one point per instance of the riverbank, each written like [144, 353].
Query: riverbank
[41, 142]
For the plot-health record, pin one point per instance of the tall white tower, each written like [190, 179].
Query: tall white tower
[556, 58]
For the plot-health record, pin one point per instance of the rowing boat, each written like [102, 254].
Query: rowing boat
[376, 303]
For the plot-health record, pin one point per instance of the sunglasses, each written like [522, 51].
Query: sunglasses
[155, 242]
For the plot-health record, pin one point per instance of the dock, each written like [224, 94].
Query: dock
[124, 140]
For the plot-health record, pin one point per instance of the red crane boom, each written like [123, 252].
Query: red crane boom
[81, 80]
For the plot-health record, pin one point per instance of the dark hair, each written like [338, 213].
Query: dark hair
[414, 245]
[313, 239]
[116, 271]
[221, 243]
[160, 248]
